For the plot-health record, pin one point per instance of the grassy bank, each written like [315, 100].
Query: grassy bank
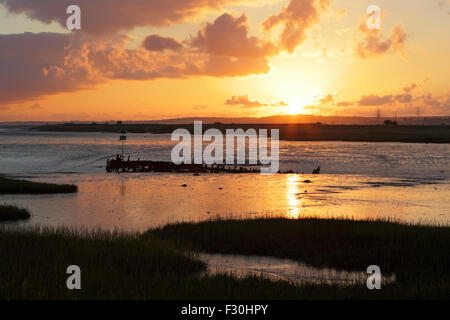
[294, 132]
[124, 266]
[418, 255]
[321, 242]
[161, 265]
[113, 265]
[16, 186]
[12, 213]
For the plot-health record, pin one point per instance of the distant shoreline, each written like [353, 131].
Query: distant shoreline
[289, 132]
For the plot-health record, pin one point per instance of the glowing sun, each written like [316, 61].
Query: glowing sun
[294, 106]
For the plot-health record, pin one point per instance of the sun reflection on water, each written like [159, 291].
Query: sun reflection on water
[292, 191]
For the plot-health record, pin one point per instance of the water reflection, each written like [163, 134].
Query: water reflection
[141, 201]
[123, 188]
[283, 269]
[25, 152]
[293, 189]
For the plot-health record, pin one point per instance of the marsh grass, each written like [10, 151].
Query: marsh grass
[116, 265]
[13, 213]
[16, 186]
[163, 264]
[418, 255]
[113, 264]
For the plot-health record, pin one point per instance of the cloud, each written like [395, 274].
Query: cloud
[117, 62]
[244, 101]
[374, 44]
[375, 100]
[406, 97]
[324, 103]
[410, 88]
[296, 18]
[429, 100]
[320, 109]
[345, 103]
[413, 86]
[221, 66]
[439, 105]
[403, 98]
[35, 65]
[220, 49]
[110, 16]
[402, 102]
[324, 98]
[398, 39]
[155, 42]
[279, 104]
[228, 36]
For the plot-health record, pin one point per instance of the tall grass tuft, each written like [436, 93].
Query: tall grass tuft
[13, 213]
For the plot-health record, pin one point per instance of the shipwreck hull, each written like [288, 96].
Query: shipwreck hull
[118, 165]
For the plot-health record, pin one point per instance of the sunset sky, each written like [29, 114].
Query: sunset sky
[154, 59]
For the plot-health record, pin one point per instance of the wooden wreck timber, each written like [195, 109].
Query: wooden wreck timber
[120, 165]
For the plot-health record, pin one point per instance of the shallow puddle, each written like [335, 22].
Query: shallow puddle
[282, 269]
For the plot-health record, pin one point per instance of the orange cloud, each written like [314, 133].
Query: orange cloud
[245, 101]
[34, 65]
[279, 104]
[324, 98]
[155, 42]
[374, 44]
[228, 36]
[410, 88]
[110, 16]
[222, 66]
[345, 104]
[413, 86]
[375, 100]
[296, 18]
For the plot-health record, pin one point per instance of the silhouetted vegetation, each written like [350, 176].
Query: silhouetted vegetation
[416, 254]
[161, 264]
[13, 213]
[346, 244]
[294, 132]
[16, 186]
[390, 122]
[113, 264]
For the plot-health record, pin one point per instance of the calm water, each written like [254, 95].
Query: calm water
[410, 182]
[283, 269]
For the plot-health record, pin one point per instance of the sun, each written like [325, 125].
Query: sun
[294, 106]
